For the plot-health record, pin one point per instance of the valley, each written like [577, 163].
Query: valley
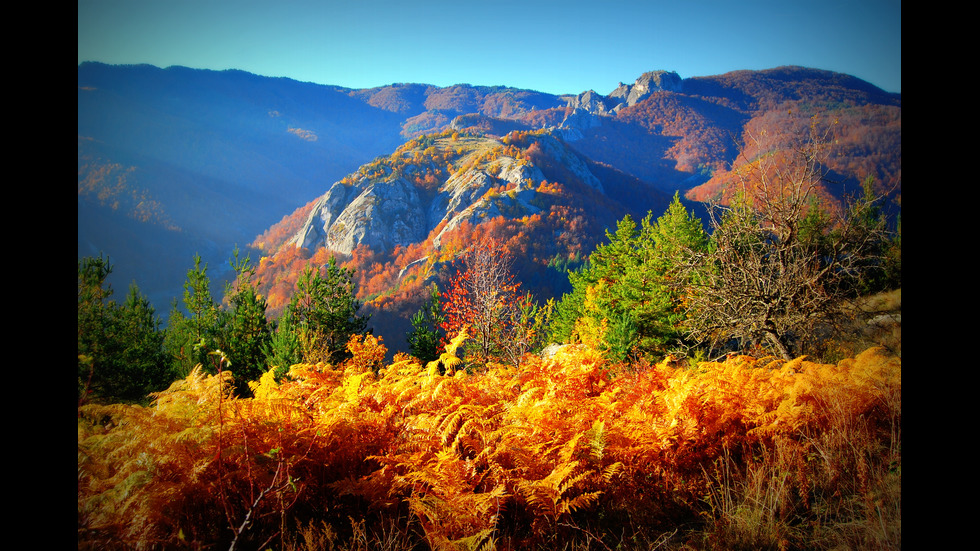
[227, 157]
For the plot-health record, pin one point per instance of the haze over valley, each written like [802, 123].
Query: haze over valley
[178, 161]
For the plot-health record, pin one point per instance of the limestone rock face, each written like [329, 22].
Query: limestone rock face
[381, 215]
[463, 197]
[387, 211]
[384, 213]
[621, 93]
[588, 106]
[591, 102]
[651, 82]
[580, 119]
[571, 161]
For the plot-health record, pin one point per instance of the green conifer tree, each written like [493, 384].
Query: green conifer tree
[638, 273]
[247, 334]
[120, 346]
[325, 311]
[191, 337]
[425, 338]
[285, 348]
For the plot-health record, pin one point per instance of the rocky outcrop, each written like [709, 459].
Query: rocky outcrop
[390, 211]
[557, 151]
[651, 82]
[463, 197]
[586, 110]
[589, 106]
[592, 102]
[379, 214]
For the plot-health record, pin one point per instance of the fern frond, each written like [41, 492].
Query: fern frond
[432, 369]
[457, 341]
[449, 359]
[481, 541]
[597, 439]
[611, 471]
[581, 501]
[568, 449]
[557, 479]
[352, 385]
[450, 425]
[570, 483]
[266, 386]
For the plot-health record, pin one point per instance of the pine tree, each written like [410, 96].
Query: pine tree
[247, 335]
[144, 362]
[628, 297]
[284, 348]
[425, 338]
[120, 347]
[325, 309]
[94, 322]
[677, 236]
[191, 338]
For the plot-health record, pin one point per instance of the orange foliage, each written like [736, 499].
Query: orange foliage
[385, 281]
[702, 128]
[277, 276]
[277, 235]
[502, 457]
[856, 132]
[109, 184]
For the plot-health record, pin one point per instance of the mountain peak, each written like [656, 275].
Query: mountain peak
[589, 104]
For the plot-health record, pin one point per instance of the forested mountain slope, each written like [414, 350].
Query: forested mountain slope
[399, 220]
[176, 161]
[696, 385]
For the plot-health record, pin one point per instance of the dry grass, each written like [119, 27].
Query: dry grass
[877, 322]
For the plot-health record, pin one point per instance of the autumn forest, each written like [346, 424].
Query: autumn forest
[559, 356]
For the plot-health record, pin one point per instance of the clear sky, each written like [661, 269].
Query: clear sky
[551, 46]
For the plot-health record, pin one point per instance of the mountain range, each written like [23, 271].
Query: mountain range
[396, 180]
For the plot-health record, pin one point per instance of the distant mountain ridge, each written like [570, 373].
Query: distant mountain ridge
[211, 159]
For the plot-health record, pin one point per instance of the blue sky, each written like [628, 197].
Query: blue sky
[551, 46]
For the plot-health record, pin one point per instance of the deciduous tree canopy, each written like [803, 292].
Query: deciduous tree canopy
[783, 265]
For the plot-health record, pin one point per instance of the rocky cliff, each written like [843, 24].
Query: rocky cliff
[384, 205]
[588, 106]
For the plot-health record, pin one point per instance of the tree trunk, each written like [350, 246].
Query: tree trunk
[780, 346]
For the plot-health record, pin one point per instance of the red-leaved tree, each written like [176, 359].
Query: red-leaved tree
[484, 299]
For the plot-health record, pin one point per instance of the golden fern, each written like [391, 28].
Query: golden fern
[554, 495]
[448, 359]
[597, 439]
[457, 448]
[352, 385]
[481, 541]
[266, 387]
